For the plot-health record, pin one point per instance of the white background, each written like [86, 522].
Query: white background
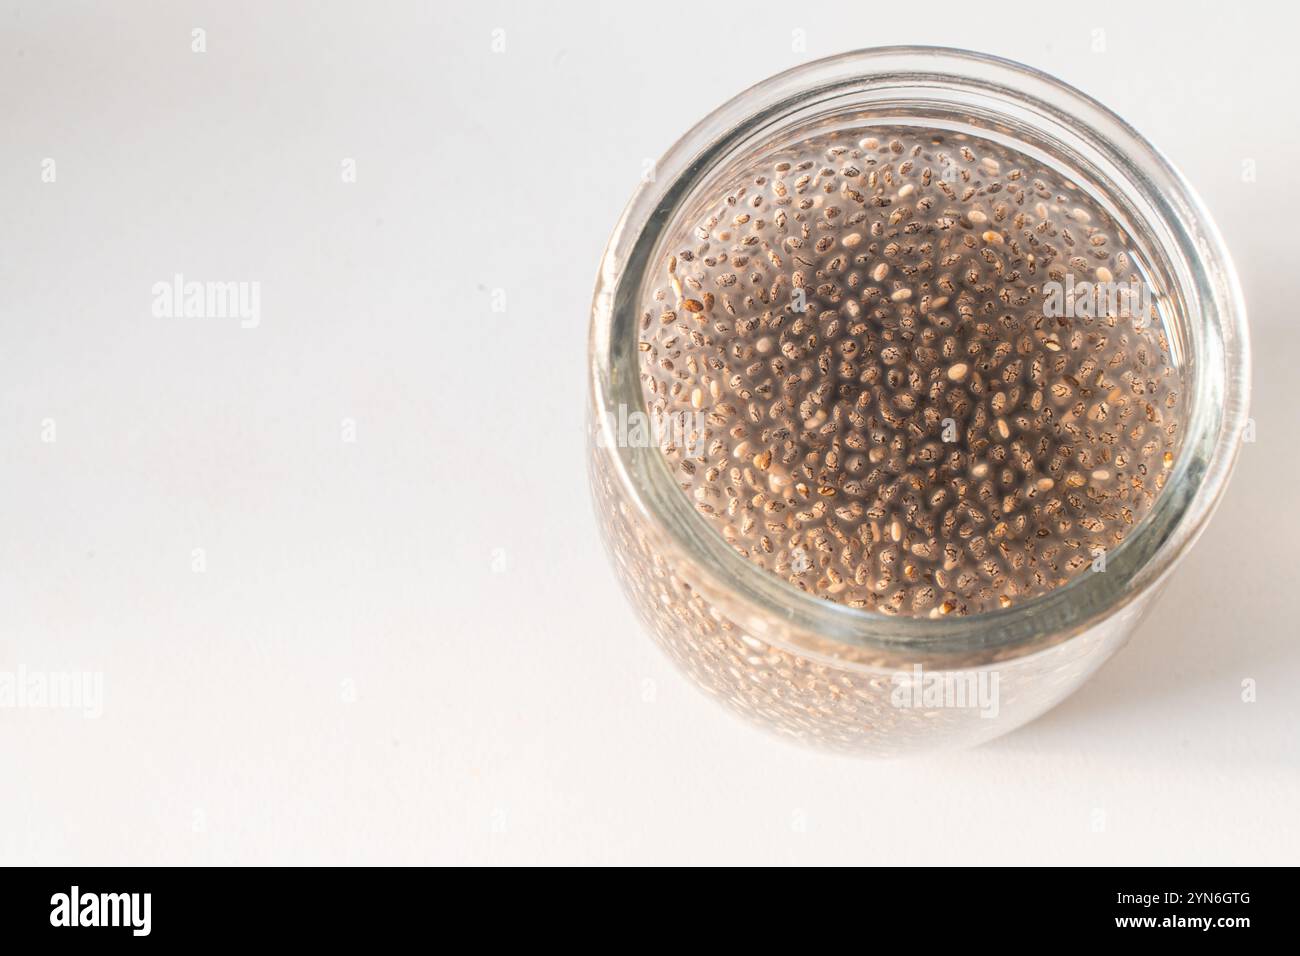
[355, 677]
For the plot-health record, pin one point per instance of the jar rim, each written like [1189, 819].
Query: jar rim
[1213, 301]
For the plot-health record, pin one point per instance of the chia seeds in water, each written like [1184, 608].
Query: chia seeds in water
[923, 375]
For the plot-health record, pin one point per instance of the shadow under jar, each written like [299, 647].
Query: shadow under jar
[914, 372]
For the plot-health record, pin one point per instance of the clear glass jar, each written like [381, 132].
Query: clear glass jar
[862, 681]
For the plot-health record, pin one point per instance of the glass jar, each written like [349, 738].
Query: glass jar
[862, 681]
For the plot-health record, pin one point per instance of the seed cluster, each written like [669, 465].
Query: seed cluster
[888, 414]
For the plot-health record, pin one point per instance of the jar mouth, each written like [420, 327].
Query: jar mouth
[1027, 108]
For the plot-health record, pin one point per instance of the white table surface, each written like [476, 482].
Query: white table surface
[410, 647]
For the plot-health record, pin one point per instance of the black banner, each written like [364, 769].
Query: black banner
[135, 906]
